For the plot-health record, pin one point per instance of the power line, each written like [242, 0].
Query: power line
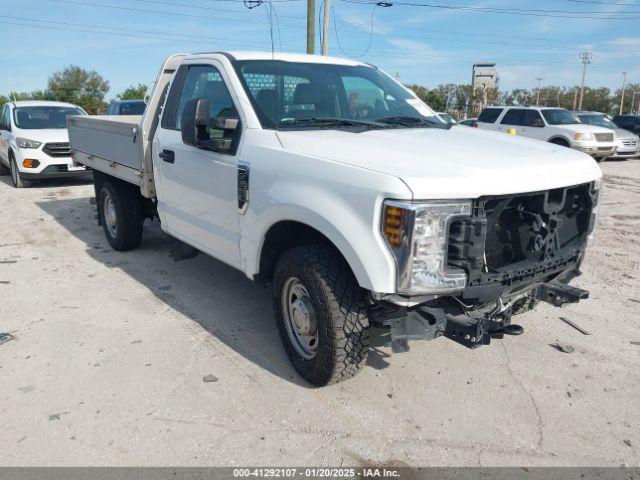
[335, 27]
[73, 2]
[592, 15]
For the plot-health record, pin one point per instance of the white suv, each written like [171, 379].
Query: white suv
[34, 142]
[555, 125]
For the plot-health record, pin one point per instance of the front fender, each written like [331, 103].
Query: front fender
[348, 215]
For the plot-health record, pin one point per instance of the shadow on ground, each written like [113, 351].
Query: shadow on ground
[221, 299]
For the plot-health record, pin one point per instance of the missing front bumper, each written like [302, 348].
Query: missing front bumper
[471, 329]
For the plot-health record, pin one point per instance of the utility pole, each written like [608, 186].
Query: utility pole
[539, 80]
[624, 84]
[325, 27]
[311, 27]
[585, 58]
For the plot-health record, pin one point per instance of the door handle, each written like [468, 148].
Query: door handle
[168, 156]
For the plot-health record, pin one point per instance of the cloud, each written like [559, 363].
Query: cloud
[625, 42]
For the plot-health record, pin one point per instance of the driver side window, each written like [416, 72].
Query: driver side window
[206, 82]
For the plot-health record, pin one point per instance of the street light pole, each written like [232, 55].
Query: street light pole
[585, 58]
[539, 79]
[624, 84]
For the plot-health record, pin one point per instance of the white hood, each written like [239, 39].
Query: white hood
[461, 162]
[49, 135]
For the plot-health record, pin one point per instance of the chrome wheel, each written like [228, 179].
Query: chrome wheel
[109, 215]
[299, 318]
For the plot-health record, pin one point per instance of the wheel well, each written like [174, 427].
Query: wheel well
[559, 141]
[283, 236]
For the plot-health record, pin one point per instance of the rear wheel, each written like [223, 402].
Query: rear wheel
[18, 182]
[321, 314]
[120, 210]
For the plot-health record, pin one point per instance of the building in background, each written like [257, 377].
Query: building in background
[484, 78]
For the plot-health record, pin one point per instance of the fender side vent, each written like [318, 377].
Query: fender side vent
[243, 187]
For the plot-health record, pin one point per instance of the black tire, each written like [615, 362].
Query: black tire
[16, 179]
[523, 305]
[599, 159]
[4, 170]
[561, 142]
[338, 310]
[122, 223]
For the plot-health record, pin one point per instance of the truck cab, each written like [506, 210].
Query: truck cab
[331, 182]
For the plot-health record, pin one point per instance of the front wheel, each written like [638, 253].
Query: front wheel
[120, 211]
[321, 314]
[18, 182]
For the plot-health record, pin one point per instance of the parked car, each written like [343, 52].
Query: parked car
[358, 214]
[628, 122]
[554, 125]
[34, 143]
[126, 107]
[628, 142]
[445, 117]
[469, 122]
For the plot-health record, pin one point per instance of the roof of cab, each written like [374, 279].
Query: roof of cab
[285, 57]
[41, 103]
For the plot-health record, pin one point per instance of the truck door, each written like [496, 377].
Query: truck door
[197, 189]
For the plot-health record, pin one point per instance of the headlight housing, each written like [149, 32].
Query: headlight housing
[596, 187]
[584, 136]
[417, 235]
[26, 143]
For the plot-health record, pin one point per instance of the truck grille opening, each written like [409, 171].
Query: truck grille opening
[511, 241]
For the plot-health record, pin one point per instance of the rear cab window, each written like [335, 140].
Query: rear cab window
[489, 115]
[514, 116]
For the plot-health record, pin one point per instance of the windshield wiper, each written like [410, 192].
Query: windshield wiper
[408, 121]
[331, 122]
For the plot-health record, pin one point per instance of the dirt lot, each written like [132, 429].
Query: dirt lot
[111, 349]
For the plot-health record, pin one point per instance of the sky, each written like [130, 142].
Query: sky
[435, 43]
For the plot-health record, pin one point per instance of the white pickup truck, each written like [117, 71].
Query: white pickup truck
[329, 180]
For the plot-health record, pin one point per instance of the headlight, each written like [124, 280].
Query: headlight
[417, 235]
[26, 143]
[583, 136]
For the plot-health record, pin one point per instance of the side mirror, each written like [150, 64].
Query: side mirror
[194, 122]
[536, 122]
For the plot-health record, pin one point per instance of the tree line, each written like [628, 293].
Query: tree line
[462, 101]
[86, 88]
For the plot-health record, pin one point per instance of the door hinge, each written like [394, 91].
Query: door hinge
[243, 187]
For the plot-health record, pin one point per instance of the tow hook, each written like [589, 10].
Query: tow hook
[472, 332]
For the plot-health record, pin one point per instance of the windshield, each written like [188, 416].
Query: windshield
[447, 118]
[132, 108]
[38, 118]
[598, 120]
[559, 116]
[316, 95]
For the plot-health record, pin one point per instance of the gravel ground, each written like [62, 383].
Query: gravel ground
[110, 352]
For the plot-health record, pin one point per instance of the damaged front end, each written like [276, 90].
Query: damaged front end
[503, 253]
